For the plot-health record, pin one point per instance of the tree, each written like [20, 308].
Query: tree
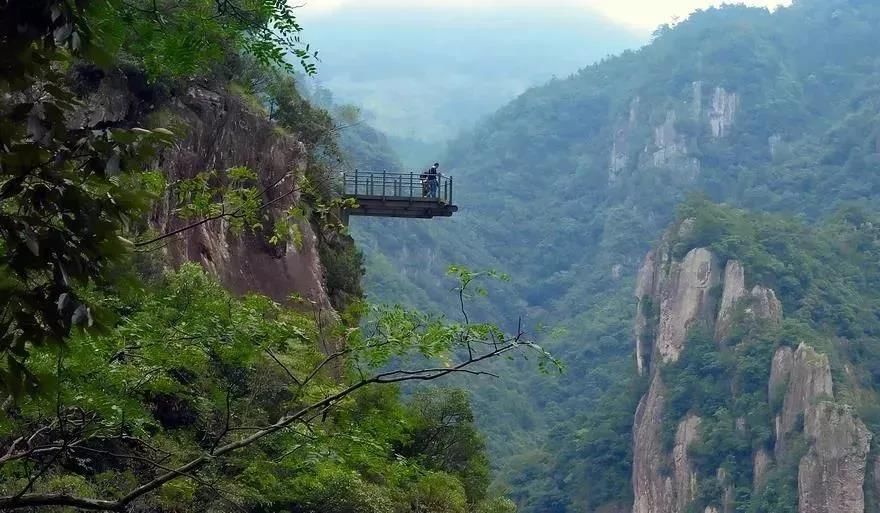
[252, 371]
[68, 195]
[65, 193]
[446, 439]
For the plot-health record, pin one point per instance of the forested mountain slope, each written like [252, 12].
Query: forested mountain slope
[567, 186]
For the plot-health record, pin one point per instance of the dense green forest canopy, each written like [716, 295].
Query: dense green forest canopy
[125, 384]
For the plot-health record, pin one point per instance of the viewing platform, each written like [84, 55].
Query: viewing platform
[381, 194]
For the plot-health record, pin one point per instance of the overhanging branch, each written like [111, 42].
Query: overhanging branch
[41, 499]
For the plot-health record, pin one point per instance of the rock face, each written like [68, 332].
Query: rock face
[762, 462]
[686, 300]
[697, 98]
[620, 145]
[734, 291]
[668, 142]
[809, 380]
[644, 329]
[685, 478]
[107, 102]
[832, 473]
[677, 296]
[671, 146]
[765, 305]
[780, 371]
[723, 113]
[619, 158]
[673, 297]
[653, 487]
[670, 150]
[224, 133]
[727, 499]
[220, 131]
[774, 143]
[758, 303]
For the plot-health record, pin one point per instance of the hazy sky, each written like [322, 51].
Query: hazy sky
[638, 14]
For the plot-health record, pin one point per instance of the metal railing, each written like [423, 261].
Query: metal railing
[397, 186]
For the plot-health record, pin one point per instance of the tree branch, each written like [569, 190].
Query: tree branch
[39, 499]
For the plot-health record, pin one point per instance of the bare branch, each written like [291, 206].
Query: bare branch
[304, 416]
[315, 409]
[234, 213]
[48, 499]
[284, 367]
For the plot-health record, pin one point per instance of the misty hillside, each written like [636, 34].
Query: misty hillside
[567, 187]
[664, 294]
[426, 73]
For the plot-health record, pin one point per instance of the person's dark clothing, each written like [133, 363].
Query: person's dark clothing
[432, 179]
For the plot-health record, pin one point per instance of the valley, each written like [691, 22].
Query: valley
[571, 184]
[659, 293]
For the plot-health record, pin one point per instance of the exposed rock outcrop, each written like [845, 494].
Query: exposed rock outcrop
[832, 473]
[644, 329]
[762, 463]
[674, 296]
[774, 143]
[823, 439]
[634, 110]
[224, 133]
[620, 145]
[727, 498]
[697, 98]
[686, 300]
[685, 477]
[875, 484]
[723, 113]
[670, 150]
[668, 142]
[653, 487]
[619, 159]
[758, 303]
[809, 380]
[780, 371]
[764, 305]
[734, 291]
[218, 131]
[108, 102]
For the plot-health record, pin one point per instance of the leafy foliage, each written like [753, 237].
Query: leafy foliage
[66, 195]
[187, 397]
[70, 193]
[197, 394]
[170, 38]
[444, 438]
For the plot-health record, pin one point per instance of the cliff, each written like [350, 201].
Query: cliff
[732, 399]
[218, 130]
